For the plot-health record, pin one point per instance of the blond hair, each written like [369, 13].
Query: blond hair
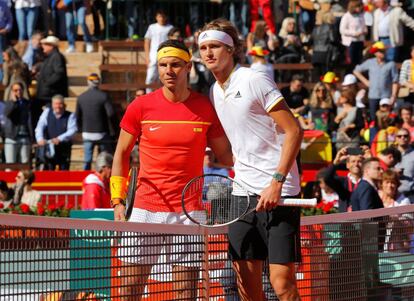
[324, 103]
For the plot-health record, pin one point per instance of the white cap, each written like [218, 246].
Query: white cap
[385, 101]
[51, 40]
[349, 79]
[103, 159]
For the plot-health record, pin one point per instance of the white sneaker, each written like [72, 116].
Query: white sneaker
[70, 49]
[89, 47]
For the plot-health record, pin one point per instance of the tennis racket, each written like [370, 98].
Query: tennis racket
[212, 194]
[130, 198]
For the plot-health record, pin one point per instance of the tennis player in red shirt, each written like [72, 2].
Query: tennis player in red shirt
[173, 126]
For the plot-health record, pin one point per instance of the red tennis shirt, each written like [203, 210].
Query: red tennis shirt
[172, 141]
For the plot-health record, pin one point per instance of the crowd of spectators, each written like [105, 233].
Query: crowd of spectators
[358, 93]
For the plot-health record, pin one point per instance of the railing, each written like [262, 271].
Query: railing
[366, 255]
[70, 199]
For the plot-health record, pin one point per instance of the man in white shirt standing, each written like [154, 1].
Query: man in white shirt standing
[388, 27]
[265, 139]
[155, 35]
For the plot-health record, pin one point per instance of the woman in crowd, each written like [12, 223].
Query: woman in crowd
[289, 42]
[23, 191]
[6, 195]
[261, 36]
[14, 70]
[407, 79]
[348, 122]
[353, 31]
[389, 190]
[27, 12]
[320, 110]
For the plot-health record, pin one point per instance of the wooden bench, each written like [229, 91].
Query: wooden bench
[134, 47]
[123, 68]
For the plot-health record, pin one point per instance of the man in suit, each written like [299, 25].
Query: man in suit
[366, 194]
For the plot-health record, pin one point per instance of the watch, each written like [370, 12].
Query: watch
[279, 177]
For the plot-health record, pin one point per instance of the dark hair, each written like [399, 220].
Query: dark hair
[160, 11]
[298, 77]
[28, 176]
[407, 107]
[3, 185]
[350, 96]
[175, 44]
[396, 154]
[173, 31]
[367, 162]
[228, 27]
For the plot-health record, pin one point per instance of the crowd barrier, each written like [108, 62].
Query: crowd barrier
[366, 255]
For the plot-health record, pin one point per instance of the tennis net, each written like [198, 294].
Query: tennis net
[367, 255]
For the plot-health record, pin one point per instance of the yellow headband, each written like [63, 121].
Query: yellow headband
[175, 52]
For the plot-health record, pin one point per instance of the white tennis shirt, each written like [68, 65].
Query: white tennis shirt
[243, 108]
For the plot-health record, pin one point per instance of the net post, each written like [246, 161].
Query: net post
[206, 276]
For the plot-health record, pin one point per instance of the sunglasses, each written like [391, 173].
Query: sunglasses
[17, 90]
[402, 136]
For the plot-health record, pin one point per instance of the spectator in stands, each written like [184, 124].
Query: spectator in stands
[140, 92]
[330, 80]
[175, 34]
[267, 13]
[18, 129]
[349, 121]
[406, 114]
[96, 193]
[290, 46]
[23, 191]
[389, 157]
[402, 139]
[34, 52]
[54, 132]
[324, 38]
[406, 169]
[328, 194]
[383, 78]
[261, 36]
[76, 9]
[6, 24]
[52, 78]
[353, 31]
[320, 110]
[260, 64]
[211, 166]
[366, 196]
[383, 114]
[6, 195]
[27, 12]
[351, 83]
[344, 186]
[407, 79]
[296, 95]
[388, 27]
[14, 70]
[155, 35]
[389, 190]
[95, 119]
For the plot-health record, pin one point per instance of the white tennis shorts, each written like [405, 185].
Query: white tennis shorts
[150, 248]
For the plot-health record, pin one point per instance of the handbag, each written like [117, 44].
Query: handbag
[403, 92]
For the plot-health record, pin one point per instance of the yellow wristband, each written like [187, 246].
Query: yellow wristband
[118, 185]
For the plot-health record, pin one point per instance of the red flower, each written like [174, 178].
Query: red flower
[61, 204]
[70, 206]
[327, 207]
[40, 210]
[25, 208]
[51, 206]
[1, 205]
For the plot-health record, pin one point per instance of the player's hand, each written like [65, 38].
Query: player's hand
[119, 213]
[270, 196]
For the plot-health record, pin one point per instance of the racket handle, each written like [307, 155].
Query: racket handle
[298, 202]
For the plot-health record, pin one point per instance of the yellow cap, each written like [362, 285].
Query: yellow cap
[330, 78]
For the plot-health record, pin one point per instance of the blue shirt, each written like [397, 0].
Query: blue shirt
[381, 77]
[42, 124]
[6, 18]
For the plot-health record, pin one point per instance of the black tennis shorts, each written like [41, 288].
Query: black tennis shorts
[273, 235]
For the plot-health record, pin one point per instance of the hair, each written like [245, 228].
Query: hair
[173, 43]
[394, 152]
[407, 107]
[28, 176]
[326, 103]
[173, 31]
[160, 11]
[283, 30]
[404, 129]
[391, 175]
[350, 96]
[59, 97]
[352, 5]
[260, 29]
[228, 27]
[296, 77]
[367, 162]
[103, 159]
[19, 83]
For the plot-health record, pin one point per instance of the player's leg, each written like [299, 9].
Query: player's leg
[249, 279]
[185, 282]
[282, 278]
[133, 281]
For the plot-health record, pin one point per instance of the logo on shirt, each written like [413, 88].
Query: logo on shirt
[154, 128]
[238, 95]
